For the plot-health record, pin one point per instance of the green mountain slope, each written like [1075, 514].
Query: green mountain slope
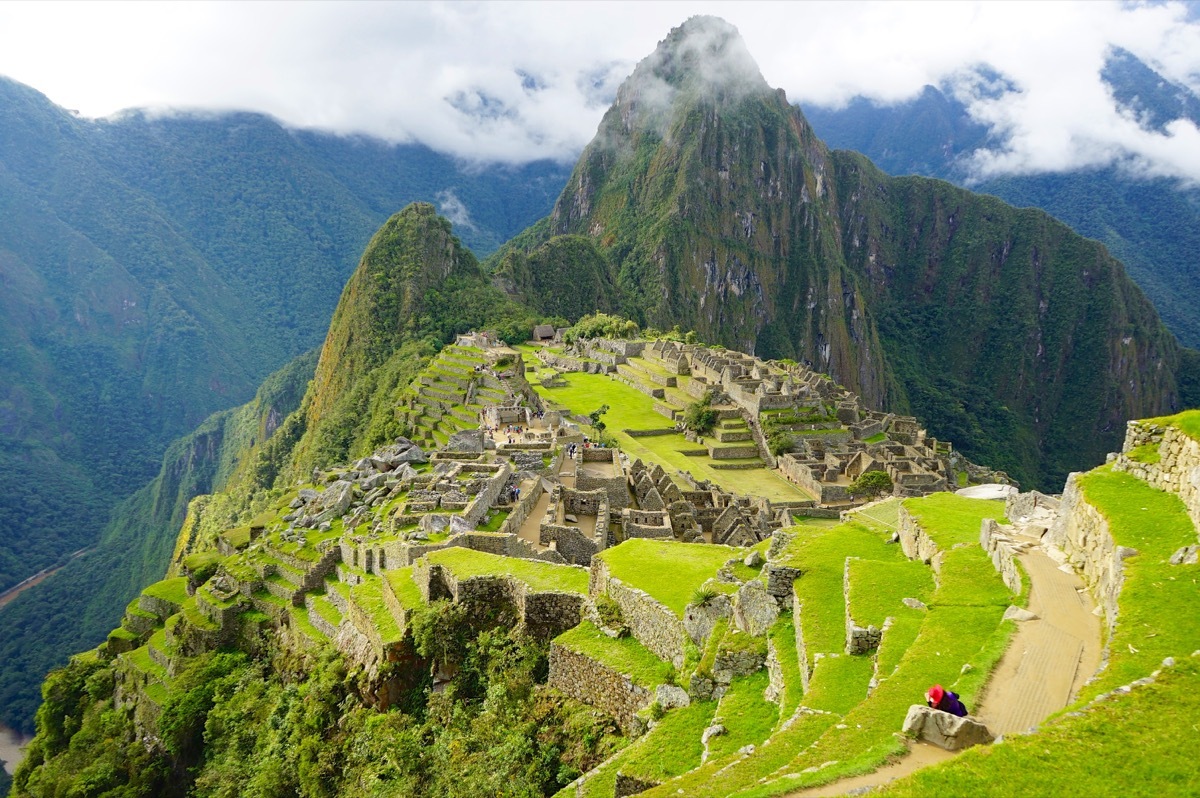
[156, 269]
[716, 207]
[1151, 224]
[76, 608]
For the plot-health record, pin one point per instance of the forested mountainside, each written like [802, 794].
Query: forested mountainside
[156, 269]
[707, 201]
[1151, 224]
[75, 608]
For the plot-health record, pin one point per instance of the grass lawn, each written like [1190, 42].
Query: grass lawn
[1160, 603]
[876, 588]
[1187, 422]
[747, 717]
[951, 519]
[669, 571]
[300, 621]
[783, 634]
[172, 590]
[369, 596]
[821, 553]
[624, 654]
[540, 576]
[404, 588]
[629, 408]
[672, 747]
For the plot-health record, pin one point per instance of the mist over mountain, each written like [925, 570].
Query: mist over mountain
[707, 200]
[1152, 224]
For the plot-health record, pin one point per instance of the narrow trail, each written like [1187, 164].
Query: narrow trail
[1049, 658]
[41, 576]
[1047, 662]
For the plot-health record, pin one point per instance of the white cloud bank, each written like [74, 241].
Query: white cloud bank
[518, 81]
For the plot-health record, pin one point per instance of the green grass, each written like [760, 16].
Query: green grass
[783, 634]
[632, 409]
[172, 590]
[669, 571]
[747, 717]
[140, 659]
[327, 611]
[369, 596]
[196, 618]
[1141, 744]
[968, 578]
[403, 586]
[839, 683]
[884, 516]
[1146, 453]
[672, 747]
[300, 621]
[876, 588]
[878, 437]
[538, 575]
[239, 538]
[821, 553]
[1159, 603]
[134, 609]
[950, 519]
[624, 654]
[1187, 422]
[494, 521]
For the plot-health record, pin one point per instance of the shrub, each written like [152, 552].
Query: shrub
[704, 594]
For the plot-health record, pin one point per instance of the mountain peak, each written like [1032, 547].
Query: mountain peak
[704, 58]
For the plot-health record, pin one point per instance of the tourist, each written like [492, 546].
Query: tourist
[946, 701]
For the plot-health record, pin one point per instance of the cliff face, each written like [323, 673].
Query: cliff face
[716, 208]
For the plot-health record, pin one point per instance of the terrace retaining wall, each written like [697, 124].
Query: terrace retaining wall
[584, 679]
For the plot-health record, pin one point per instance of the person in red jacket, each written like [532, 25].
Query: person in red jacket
[940, 698]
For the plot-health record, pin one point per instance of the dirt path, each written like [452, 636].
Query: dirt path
[1046, 664]
[530, 530]
[1050, 658]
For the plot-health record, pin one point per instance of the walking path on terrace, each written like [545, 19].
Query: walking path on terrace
[1048, 661]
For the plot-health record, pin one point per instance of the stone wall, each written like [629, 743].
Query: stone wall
[1004, 556]
[541, 613]
[584, 679]
[1082, 533]
[649, 620]
[570, 542]
[1178, 466]
[914, 540]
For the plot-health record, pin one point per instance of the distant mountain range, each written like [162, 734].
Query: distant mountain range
[1151, 225]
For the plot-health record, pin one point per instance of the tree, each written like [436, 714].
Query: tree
[595, 415]
[872, 484]
[699, 417]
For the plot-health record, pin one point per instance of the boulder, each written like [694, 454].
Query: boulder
[1019, 614]
[755, 610]
[716, 730]
[458, 524]
[753, 560]
[916, 604]
[943, 729]
[699, 619]
[374, 481]
[670, 696]
[1185, 556]
[467, 440]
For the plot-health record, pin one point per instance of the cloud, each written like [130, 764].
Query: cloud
[450, 206]
[512, 82]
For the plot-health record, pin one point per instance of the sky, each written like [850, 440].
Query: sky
[513, 82]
